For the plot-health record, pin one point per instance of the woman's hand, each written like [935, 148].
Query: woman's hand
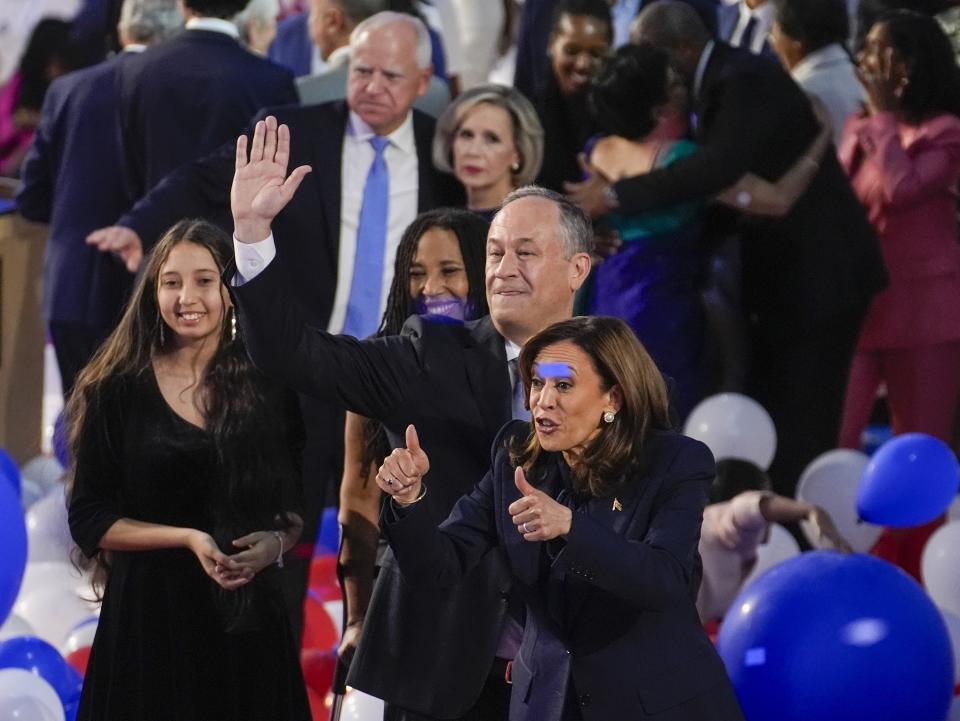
[826, 530]
[261, 188]
[537, 516]
[216, 563]
[261, 549]
[402, 472]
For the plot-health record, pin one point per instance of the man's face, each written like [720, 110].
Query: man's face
[319, 25]
[384, 78]
[529, 282]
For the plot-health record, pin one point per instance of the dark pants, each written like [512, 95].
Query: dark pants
[74, 345]
[493, 704]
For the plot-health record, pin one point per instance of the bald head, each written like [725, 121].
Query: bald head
[675, 27]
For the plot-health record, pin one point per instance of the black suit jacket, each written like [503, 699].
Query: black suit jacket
[425, 650]
[307, 231]
[72, 179]
[183, 98]
[609, 606]
[819, 262]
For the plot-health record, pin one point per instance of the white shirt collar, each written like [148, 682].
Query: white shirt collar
[823, 57]
[513, 350]
[217, 25]
[134, 48]
[401, 138]
[763, 14]
[338, 57]
[702, 67]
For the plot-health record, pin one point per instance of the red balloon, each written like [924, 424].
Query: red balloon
[79, 659]
[318, 669]
[318, 706]
[318, 629]
[323, 578]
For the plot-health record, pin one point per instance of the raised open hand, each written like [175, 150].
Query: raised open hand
[261, 187]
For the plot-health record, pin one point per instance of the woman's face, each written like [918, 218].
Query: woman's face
[191, 298]
[879, 57]
[483, 149]
[578, 44]
[438, 277]
[567, 399]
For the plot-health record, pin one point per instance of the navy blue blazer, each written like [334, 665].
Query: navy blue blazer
[185, 97]
[611, 625]
[72, 179]
[292, 47]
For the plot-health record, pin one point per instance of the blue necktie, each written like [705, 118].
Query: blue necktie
[363, 307]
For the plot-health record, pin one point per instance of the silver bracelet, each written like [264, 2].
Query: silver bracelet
[423, 492]
[279, 537]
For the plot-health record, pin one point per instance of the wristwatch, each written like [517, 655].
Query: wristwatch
[610, 197]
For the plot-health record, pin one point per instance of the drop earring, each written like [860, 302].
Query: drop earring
[233, 325]
[609, 416]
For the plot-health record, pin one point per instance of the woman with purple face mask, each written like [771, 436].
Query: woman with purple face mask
[439, 273]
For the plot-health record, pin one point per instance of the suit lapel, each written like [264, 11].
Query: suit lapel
[485, 359]
[331, 156]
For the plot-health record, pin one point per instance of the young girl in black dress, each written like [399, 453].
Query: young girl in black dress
[182, 490]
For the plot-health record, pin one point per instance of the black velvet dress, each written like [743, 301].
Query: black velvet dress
[164, 648]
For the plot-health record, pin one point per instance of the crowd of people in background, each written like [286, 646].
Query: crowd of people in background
[763, 192]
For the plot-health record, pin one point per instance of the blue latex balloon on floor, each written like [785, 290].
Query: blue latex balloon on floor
[13, 548]
[828, 637]
[328, 539]
[9, 471]
[43, 660]
[910, 481]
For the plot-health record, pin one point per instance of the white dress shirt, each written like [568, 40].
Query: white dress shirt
[402, 167]
[764, 16]
[828, 73]
[217, 25]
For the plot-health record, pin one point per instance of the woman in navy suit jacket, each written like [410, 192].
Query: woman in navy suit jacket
[601, 540]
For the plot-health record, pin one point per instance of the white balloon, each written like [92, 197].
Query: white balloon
[30, 492]
[53, 574]
[953, 512]
[45, 471]
[954, 710]
[779, 547]
[15, 626]
[334, 610]
[940, 567]
[734, 426]
[48, 532]
[80, 636]
[831, 481]
[25, 697]
[53, 612]
[953, 629]
[358, 706]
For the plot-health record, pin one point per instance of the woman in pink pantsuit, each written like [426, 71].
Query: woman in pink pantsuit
[903, 159]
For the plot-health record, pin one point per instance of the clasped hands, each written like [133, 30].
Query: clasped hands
[260, 549]
[536, 515]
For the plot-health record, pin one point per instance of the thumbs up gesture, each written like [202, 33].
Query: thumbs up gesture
[536, 515]
[402, 472]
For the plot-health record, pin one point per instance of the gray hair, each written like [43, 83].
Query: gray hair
[388, 17]
[669, 24]
[262, 10]
[576, 230]
[527, 131]
[356, 11]
[149, 21]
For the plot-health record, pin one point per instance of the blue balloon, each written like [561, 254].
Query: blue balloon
[908, 482]
[42, 659]
[13, 548]
[61, 446]
[9, 470]
[837, 638]
[328, 540]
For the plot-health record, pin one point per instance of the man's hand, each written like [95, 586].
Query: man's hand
[606, 242]
[590, 195]
[403, 470]
[122, 242]
[261, 188]
[537, 516]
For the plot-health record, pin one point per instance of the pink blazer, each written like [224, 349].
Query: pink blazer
[906, 177]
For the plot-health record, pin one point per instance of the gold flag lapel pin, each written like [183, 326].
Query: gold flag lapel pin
[617, 506]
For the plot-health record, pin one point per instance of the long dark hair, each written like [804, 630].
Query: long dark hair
[253, 495]
[620, 360]
[631, 84]
[471, 232]
[932, 71]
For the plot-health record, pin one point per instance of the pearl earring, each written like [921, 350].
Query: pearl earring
[609, 416]
[515, 168]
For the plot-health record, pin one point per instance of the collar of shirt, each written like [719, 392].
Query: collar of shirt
[338, 57]
[217, 25]
[819, 59]
[702, 68]
[513, 350]
[764, 16]
[401, 138]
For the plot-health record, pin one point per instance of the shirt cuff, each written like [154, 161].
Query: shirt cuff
[252, 258]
